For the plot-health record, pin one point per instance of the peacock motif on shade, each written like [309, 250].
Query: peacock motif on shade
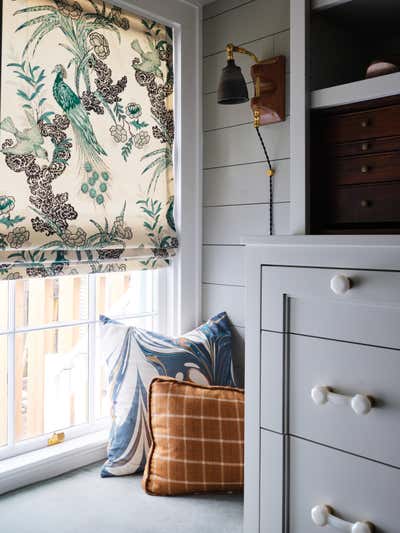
[89, 147]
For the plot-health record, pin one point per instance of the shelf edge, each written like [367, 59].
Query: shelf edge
[358, 91]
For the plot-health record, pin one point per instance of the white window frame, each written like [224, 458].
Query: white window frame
[185, 17]
[159, 312]
[183, 298]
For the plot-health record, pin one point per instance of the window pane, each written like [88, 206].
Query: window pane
[51, 380]
[43, 301]
[145, 322]
[3, 305]
[3, 390]
[125, 294]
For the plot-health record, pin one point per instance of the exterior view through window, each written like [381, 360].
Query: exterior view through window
[52, 376]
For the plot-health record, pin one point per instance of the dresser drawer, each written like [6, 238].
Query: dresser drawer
[355, 374]
[356, 489]
[365, 169]
[371, 146]
[365, 204]
[379, 122]
[301, 300]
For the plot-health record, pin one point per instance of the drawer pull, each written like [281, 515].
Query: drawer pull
[340, 284]
[360, 403]
[364, 147]
[365, 203]
[364, 169]
[322, 515]
[364, 123]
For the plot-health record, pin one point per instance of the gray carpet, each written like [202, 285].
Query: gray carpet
[82, 502]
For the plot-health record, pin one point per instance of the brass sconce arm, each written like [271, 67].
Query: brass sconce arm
[231, 48]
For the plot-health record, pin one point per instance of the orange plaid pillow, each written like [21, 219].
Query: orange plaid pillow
[198, 438]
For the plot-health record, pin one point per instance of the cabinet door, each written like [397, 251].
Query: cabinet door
[355, 489]
[303, 301]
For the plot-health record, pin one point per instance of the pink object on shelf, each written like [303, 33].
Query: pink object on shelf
[380, 68]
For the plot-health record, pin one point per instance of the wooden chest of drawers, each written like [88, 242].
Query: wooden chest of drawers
[355, 168]
[322, 374]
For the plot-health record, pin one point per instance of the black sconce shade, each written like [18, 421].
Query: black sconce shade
[232, 88]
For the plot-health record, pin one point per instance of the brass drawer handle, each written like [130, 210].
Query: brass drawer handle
[364, 147]
[365, 123]
[365, 203]
[364, 169]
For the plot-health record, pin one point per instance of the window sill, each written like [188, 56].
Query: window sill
[52, 461]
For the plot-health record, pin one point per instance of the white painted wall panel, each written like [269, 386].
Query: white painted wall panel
[236, 191]
[223, 264]
[246, 184]
[227, 225]
[239, 144]
[217, 298]
[282, 47]
[246, 23]
[220, 7]
[221, 116]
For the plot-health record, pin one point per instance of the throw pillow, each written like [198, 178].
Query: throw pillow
[197, 438]
[134, 357]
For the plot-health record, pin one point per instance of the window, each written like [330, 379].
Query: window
[52, 377]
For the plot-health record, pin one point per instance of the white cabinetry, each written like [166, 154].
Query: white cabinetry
[322, 394]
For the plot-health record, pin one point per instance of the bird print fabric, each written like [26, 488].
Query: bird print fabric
[86, 140]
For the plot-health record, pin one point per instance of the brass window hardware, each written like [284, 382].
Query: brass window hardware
[56, 438]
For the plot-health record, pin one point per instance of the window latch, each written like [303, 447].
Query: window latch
[56, 438]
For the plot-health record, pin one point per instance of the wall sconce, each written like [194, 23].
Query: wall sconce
[268, 103]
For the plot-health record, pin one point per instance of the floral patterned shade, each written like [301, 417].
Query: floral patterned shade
[86, 135]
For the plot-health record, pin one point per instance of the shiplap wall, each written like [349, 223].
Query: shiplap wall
[235, 184]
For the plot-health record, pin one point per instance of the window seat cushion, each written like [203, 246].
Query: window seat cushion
[80, 501]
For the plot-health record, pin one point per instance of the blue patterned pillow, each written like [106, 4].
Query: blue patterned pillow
[134, 357]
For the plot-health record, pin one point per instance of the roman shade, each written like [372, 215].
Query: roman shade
[87, 128]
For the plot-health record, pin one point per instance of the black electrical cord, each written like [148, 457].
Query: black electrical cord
[270, 173]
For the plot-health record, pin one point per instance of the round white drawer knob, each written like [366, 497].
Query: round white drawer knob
[340, 284]
[320, 515]
[361, 405]
[319, 394]
[361, 527]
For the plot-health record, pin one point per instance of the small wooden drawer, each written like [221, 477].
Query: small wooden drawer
[364, 204]
[356, 490]
[379, 122]
[361, 412]
[370, 146]
[365, 169]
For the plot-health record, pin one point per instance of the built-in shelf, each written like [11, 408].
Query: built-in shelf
[358, 91]
[319, 5]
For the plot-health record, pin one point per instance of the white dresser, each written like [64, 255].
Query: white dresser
[322, 384]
